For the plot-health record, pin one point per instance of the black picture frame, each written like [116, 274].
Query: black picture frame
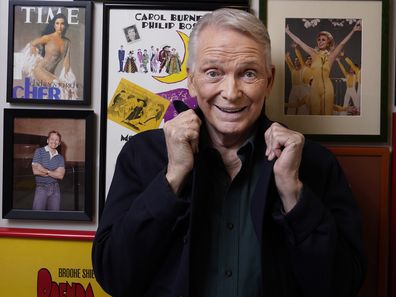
[32, 76]
[228, 2]
[26, 130]
[370, 123]
[111, 77]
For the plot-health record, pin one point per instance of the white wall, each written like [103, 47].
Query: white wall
[96, 99]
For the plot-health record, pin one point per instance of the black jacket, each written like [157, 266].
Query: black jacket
[146, 234]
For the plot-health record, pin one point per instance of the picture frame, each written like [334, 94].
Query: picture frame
[132, 88]
[362, 118]
[27, 140]
[62, 73]
[238, 3]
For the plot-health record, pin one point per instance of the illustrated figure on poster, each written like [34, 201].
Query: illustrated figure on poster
[145, 60]
[48, 167]
[164, 55]
[131, 34]
[116, 107]
[173, 65]
[137, 111]
[153, 112]
[323, 57]
[42, 55]
[157, 60]
[121, 57]
[350, 93]
[130, 65]
[139, 55]
[152, 59]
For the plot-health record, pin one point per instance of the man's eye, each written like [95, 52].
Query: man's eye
[250, 74]
[212, 73]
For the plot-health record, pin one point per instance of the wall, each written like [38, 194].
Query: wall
[96, 99]
[95, 106]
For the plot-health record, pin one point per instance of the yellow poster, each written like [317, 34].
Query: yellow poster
[136, 108]
[47, 268]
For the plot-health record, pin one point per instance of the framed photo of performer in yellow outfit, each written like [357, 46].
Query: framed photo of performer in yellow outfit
[331, 78]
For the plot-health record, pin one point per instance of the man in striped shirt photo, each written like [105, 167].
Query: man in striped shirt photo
[48, 167]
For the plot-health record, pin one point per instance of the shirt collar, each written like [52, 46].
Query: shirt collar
[47, 149]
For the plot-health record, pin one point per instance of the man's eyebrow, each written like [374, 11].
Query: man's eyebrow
[215, 61]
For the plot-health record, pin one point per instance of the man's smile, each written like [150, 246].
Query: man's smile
[230, 109]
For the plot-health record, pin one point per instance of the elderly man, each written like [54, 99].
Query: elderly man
[223, 202]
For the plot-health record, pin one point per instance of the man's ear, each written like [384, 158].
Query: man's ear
[271, 78]
[190, 83]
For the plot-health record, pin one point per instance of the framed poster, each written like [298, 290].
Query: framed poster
[49, 50]
[48, 163]
[331, 71]
[144, 70]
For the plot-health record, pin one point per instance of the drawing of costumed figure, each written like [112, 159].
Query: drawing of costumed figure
[145, 61]
[164, 55]
[174, 64]
[130, 65]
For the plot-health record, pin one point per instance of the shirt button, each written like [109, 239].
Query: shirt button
[185, 240]
[230, 226]
[228, 273]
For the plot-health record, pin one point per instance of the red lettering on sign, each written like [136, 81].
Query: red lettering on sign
[47, 288]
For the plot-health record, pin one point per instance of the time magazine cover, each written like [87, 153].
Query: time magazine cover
[48, 52]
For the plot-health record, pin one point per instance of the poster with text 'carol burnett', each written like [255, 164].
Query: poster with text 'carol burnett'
[144, 69]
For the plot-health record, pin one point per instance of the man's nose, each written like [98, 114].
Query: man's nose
[231, 88]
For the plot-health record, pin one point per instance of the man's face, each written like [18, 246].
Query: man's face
[53, 141]
[230, 80]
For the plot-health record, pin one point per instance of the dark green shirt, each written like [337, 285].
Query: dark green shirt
[229, 264]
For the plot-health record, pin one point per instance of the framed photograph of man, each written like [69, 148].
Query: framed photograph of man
[48, 164]
[141, 78]
[331, 69]
[49, 50]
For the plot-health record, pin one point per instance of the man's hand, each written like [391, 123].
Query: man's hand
[285, 145]
[182, 136]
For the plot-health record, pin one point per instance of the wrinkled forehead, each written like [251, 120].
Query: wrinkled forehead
[221, 35]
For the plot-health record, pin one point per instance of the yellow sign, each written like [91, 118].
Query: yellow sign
[47, 268]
